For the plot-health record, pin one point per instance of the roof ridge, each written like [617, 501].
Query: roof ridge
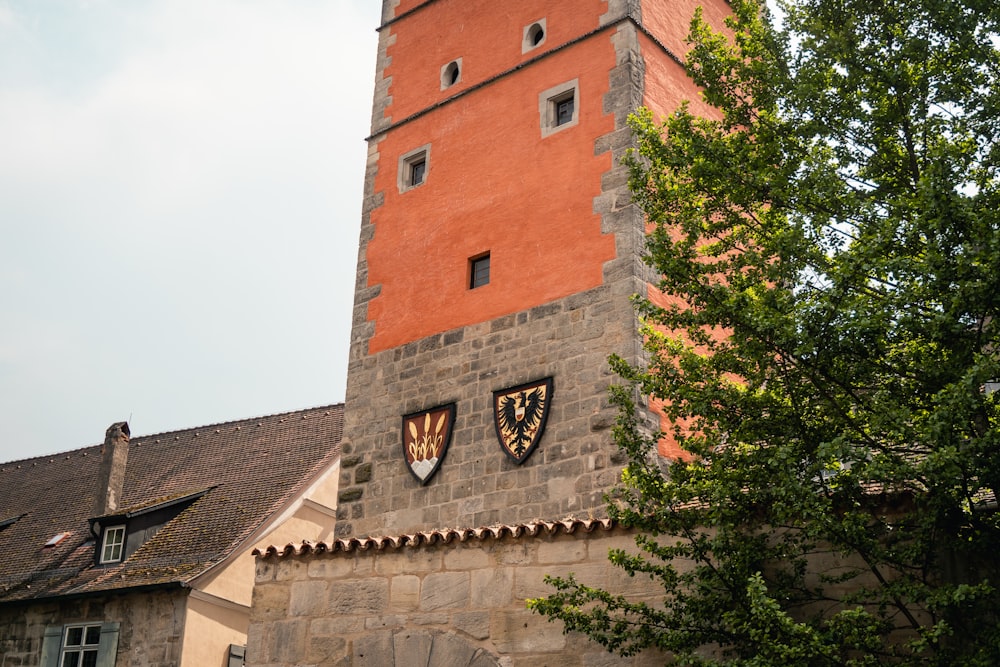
[8, 465]
[243, 420]
[5, 465]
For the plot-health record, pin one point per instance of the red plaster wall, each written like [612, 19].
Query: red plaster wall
[493, 184]
[666, 87]
[487, 40]
[670, 20]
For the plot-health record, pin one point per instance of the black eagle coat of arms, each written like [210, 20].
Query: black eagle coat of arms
[519, 415]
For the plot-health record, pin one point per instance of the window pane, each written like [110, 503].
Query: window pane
[89, 659]
[114, 540]
[71, 659]
[480, 272]
[74, 636]
[93, 635]
[564, 111]
[417, 173]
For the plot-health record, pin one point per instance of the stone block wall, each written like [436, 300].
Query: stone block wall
[150, 631]
[455, 604]
[477, 483]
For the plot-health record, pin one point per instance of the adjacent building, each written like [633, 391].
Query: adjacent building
[137, 552]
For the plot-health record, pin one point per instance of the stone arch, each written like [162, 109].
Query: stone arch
[406, 647]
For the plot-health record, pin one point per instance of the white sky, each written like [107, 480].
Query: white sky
[180, 196]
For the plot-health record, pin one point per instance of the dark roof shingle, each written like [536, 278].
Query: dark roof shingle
[247, 471]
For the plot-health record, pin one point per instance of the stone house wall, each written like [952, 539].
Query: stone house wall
[150, 631]
[457, 603]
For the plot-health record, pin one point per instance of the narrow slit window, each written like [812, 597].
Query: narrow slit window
[479, 271]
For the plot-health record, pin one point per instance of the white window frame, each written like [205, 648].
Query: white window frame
[55, 644]
[113, 542]
[82, 649]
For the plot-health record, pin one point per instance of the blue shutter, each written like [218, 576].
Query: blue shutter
[108, 651]
[51, 642]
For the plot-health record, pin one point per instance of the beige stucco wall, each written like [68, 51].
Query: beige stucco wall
[452, 604]
[219, 607]
[212, 625]
[310, 518]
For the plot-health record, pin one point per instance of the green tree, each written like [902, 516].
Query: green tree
[829, 246]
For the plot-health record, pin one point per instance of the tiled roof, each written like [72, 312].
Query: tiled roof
[247, 471]
[443, 536]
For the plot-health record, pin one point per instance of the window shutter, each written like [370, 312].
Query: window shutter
[237, 654]
[51, 642]
[108, 650]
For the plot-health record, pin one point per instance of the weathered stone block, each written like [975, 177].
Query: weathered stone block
[562, 551]
[358, 596]
[308, 598]
[445, 590]
[476, 624]
[466, 557]
[408, 561]
[491, 588]
[516, 631]
[270, 601]
[404, 592]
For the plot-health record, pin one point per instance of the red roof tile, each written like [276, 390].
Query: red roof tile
[443, 536]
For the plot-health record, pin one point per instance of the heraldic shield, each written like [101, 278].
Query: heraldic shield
[426, 436]
[519, 415]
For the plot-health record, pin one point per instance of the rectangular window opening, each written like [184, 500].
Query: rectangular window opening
[414, 167]
[559, 107]
[479, 271]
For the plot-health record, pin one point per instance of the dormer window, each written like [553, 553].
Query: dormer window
[9, 522]
[113, 545]
[119, 535]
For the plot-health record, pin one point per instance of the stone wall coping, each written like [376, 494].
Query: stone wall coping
[566, 526]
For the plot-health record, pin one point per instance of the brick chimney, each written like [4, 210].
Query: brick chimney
[111, 474]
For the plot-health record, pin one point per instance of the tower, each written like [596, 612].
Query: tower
[498, 248]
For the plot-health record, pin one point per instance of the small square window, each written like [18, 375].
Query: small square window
[559, 107]
[113, 545]
[479, 271]
[413, 168]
